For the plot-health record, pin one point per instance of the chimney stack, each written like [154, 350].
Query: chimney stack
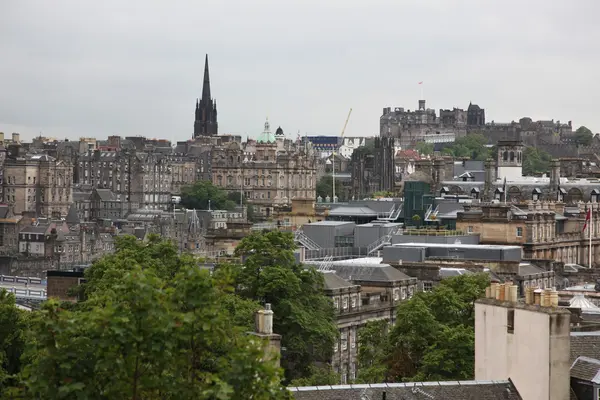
[263, 328]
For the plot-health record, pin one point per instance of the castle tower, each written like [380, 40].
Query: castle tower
[510, 159]
[205, 123]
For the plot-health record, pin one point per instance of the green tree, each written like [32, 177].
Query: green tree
[154, 326]
[432, 339]
[324, 188]
[372, 347]
[583, 136]
[424, 148]
[13, 326]
[473, 146]
[535, 161]
[382, 194]
[198, 195]
[318, 376]
[304, 316]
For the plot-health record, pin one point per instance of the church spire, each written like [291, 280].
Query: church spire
[205, 122]
[206, 85]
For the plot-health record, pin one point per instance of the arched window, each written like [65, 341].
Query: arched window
[505, 156]
[512, 156]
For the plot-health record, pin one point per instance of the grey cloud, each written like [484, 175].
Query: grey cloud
[74, 68]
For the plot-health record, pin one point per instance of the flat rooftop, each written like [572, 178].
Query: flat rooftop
[330, 223]
[457, 245]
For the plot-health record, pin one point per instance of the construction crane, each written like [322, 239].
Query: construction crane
[334, 151]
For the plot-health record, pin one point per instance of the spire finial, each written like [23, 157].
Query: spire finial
[206, 83]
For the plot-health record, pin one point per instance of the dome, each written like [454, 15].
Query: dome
[279, 133]
[266, 136]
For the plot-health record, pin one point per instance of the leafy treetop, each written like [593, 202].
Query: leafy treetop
[303, 314]
[197, 197]
[433, 338]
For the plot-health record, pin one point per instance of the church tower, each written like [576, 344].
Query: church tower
[205, 123]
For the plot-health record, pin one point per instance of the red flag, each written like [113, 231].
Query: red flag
[420, 83]
[587, 219]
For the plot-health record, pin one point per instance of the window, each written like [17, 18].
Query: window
[403, 291]
[470, 229]
[335, 347]
[410, 291]
[345, 302]
[396, 294]
[427, 286]
[353, 338]
[519, 232]
[353, 301]
[510, 321]
[344, 341]
[336, 303]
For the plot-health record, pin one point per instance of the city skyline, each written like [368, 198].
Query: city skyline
[136, 69]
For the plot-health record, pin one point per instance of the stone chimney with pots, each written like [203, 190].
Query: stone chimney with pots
[263, 328]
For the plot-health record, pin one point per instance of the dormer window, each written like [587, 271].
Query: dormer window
[595, 196]
[536, 194]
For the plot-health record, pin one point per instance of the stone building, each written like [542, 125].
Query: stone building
[423, 125]
[362, 291]
[503, 180]
[373, 170]
[268, 172]
[545, 230]
[137, 179]
[38, 184]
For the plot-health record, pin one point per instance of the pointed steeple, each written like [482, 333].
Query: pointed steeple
[205, 121]
[206, 85]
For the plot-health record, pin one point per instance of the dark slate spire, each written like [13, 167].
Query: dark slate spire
[206, 84]
[205, 122]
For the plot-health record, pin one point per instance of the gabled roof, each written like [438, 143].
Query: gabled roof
[463, 390]
[72, 216]
[586, 369]
[368, 272]
[332, 281]
[585, 344]
[106, 195]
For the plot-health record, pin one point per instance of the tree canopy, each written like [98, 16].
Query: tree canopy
[535, 161]
[153, 326]
[197, 197]
[303, 314]
[583, 136]
[473, 146]
[13, 326]
[433, 337]
[325, 188]
[424, 148]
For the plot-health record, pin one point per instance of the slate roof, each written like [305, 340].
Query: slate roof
[464, 390]
[369, 272]
[586, 369]
[332, 281]
[528, 269]
[106, 195]
[585, 344]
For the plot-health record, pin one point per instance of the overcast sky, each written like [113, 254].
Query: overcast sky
[71, 68]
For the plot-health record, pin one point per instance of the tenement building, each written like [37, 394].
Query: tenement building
[269, 171]
[38, 184]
